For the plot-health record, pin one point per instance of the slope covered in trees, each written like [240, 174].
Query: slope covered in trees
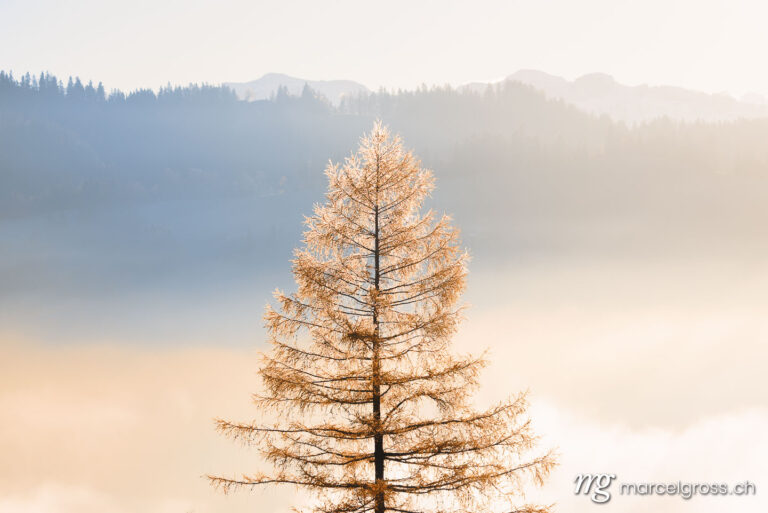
[112, 188]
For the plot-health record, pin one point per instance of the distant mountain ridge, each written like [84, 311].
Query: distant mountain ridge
[266, 86]
[601, 94]
[594, 93]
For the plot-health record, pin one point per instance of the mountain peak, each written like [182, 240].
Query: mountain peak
[601, 94]
[266, 86]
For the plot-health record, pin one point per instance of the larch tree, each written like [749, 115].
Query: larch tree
[372, 412]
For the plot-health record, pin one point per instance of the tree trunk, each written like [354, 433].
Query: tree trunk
[378, 439]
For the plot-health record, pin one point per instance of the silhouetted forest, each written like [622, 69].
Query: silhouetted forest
[121, 186]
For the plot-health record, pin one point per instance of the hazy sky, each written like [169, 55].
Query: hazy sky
[710, 45]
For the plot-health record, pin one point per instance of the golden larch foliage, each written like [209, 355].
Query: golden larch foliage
[374, 413]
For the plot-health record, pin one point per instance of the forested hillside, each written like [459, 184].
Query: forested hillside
[117, 189]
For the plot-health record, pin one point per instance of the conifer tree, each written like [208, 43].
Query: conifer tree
[373, 411]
